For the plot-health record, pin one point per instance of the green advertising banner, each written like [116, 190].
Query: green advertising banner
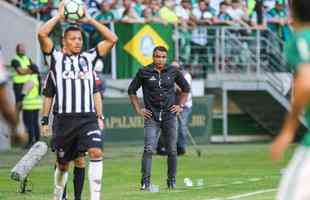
[123, 125]
[136, 43]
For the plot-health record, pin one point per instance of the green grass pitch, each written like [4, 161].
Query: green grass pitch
[236, 171]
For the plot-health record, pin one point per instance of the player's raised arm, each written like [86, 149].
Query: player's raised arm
[44, 31]
[301, 97]
[109, 38]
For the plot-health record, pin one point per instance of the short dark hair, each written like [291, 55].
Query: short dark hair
[72, 28]
[235, 1]
[223, 3]
[301, 9]
[18, 46]
[160, 48]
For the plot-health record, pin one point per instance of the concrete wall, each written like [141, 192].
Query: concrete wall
[18, 27]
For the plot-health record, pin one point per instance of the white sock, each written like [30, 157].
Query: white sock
[60, 180]
[95, 176]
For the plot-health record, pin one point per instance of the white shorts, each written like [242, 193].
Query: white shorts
[295, 183]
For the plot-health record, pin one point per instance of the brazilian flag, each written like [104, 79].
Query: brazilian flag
[136, 43]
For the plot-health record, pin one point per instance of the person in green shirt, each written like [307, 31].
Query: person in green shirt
[105, 17]
[278, 21]
[293, 185]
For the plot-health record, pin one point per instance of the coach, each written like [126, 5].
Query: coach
[158, 86]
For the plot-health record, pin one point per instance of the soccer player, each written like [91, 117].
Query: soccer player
[49, 92]
[293, 184]
[78, 110]
[158, 85]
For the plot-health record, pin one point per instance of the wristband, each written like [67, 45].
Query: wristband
[44, 120]
[100, 117]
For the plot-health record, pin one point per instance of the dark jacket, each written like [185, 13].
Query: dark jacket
[159, 89]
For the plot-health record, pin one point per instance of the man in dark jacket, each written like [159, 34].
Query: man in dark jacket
[158, 85]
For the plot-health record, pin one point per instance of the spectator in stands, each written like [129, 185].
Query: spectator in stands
[183, 12]
[278, 21]
[20, 76]
[129, 14]
[117, 12]
[238, 13]
[258, 18]
[186, 21]
[223, 18]
[210, 7]
[41, 9]
[93, 7]
[167, 12]
[138, 6]
[54, 7]
[216, 5]
[203, 16]
[105, 14]
[155, 7]
[148, 16]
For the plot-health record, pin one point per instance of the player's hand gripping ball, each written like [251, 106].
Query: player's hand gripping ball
[73, 9]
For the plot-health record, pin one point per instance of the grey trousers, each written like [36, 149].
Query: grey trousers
[151, 130]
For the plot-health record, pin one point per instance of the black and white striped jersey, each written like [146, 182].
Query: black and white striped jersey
[74, 80]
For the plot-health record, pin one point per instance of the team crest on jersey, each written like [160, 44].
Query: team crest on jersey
[68, 63]
[83, 64]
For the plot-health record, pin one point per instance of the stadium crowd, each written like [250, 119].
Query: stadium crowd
[259, 14]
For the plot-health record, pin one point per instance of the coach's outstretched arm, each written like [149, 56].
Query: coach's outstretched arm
[109, 38]
[44, 31]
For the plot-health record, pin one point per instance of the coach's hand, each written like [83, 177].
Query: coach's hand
[145, 113]
[175, 109]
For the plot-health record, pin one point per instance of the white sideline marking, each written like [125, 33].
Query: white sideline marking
[251, 194]
[235, 182]
[254, 179]
[245, 195]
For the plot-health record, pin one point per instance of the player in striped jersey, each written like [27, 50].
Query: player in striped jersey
[78, 107]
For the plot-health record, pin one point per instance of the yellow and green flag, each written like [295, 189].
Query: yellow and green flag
[136, 43]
